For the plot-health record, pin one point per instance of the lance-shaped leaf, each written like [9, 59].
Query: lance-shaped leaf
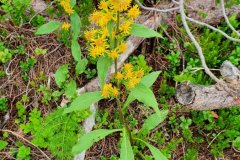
[76, 50]
[149, 79]
[126, 148]
[75, 25]
[48, 27]
[146, 96]
[70, 89]
[154, 120]
[72, 3]
[87, 140]
[81, 66]
[102, 68]
[157, 154]
[141, 30]
[84, 101]
[61, 75]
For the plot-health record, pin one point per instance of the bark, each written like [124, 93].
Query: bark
[198, 97]
[38, 5]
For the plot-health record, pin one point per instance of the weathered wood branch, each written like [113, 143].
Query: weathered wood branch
[198, 97]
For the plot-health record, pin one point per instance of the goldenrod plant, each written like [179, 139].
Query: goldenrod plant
[73, 25]
[113, 23]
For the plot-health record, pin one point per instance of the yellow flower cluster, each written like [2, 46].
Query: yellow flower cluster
[128, 76]
[113, 24]
[110, 91]
[65, 26]
[120, 5]
[66, 6]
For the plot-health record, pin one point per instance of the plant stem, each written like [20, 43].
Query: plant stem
[117, 30]
[141, 155]
[123, 119]
[115, 65]
[119, 104]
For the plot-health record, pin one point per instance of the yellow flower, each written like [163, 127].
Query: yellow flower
[66, 6]
[95, 16]
[113, 54]
[65, 26]
[122, 47]
[119, 76]
[120, 5]
[100, 50]
[133, 82]
[103, 5]
[93, 52]
[133, 12]
[128, 74]
[126, 27]
[89, 35]
[99, 46]
[127, 67]
[68, 10]
[106, 92]
[105, 32]
[109, 91]
[99, 42]
[103, 21]
[139, 73]
[115, 92]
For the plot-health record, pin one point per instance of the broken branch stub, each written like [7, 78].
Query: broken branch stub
[199, 97]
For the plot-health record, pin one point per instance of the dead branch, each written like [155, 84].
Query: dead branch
[198, 97]
[226, 18]
[196, 44]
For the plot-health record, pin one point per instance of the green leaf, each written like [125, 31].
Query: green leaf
[70, 89]
[126, 148]
[76, 50]
[48, 27]
[110, 30]
[3, 144]
[157, 154]
[81, 66]
[140, 30]
[149, 79]
[61, 75]
[102, 67]
[83, 101]
[154, 120]
[129, 100]
[72, 3]
[146, 96]
[23, 153]
[87, 140]
[75, 25]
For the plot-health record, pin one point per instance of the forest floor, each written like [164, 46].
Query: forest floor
[27, 82]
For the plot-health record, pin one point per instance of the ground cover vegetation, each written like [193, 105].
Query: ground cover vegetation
[46, 56]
